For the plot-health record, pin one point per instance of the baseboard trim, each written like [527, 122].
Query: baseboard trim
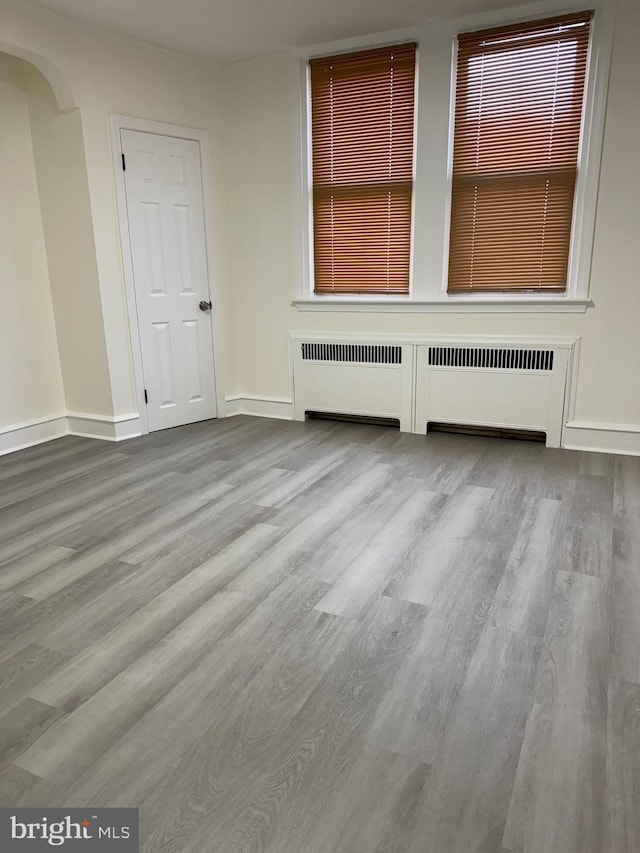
[578, 435]
[104, 427]
[280, 408]
[623, 439]
[29, 433]
[81, 424]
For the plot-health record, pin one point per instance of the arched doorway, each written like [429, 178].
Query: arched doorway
[51, 328]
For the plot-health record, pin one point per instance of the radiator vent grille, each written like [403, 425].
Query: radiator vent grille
[352, 353]
[499, 359]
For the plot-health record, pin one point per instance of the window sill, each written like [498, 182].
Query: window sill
[449, 305]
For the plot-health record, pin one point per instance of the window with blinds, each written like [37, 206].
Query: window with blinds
[518, 117]
[362, 117]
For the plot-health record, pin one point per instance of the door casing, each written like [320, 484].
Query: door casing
[122, 122]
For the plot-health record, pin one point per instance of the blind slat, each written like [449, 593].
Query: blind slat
[362, 117]
[518, 118]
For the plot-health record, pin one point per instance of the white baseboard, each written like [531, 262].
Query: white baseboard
[602, 437]
[127, 426]
[280, 408]
[28, 433]
[108, 428]
[578, 435]
[105, 427]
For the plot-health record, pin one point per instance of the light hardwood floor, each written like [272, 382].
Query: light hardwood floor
[325, 638]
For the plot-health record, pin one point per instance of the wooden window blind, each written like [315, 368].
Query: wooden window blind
[518, 117]
[362, 116]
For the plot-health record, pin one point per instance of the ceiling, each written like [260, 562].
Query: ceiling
[231, 30]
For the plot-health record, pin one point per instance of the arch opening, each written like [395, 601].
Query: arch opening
[51, 325]
[58, 82]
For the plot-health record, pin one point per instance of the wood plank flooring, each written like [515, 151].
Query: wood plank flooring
[276, 637]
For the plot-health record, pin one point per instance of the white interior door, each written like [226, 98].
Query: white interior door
[163, 183]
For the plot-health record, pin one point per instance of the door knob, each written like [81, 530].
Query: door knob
[205, 306]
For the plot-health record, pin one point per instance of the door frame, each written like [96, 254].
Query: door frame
[212, 238]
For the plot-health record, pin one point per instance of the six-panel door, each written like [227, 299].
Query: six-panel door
[163, 182]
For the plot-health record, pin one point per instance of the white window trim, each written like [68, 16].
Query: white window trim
[434, 156]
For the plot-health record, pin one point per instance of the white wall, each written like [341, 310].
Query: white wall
[267, 216]
[66, 214]
[252, 114]
[101, 73]
[30, 377]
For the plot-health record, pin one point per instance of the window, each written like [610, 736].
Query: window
[496, 216]
[362, 119]
[518, 117]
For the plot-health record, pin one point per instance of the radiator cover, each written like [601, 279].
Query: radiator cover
[500, 382]
[367, 378]
[502, 387]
